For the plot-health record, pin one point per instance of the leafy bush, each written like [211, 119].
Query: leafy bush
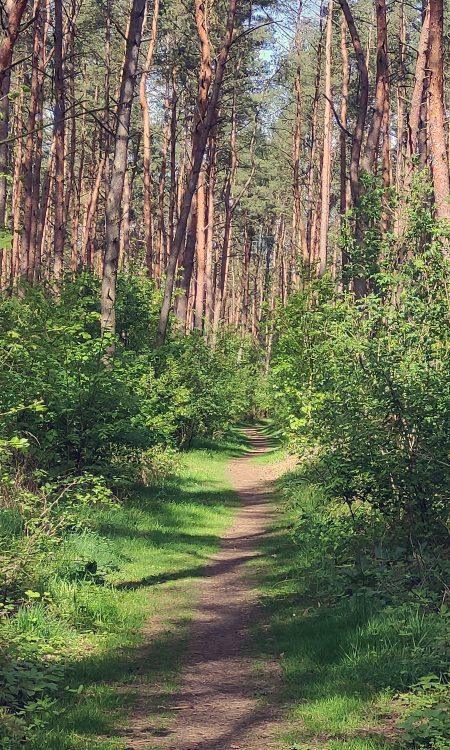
[361, 390]
[77, 431]
[427, 723]
[366, 386]
[85, 556]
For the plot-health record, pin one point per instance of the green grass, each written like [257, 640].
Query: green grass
[328, 700]
[343, 660]
[149, 551]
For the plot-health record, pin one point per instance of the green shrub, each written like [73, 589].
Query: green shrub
[362, 389]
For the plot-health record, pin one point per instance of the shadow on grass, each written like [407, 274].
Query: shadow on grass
[343, 659]
[112, 681]
[164, 537]
[233, 444]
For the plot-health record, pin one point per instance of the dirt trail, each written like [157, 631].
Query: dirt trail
[222, 703]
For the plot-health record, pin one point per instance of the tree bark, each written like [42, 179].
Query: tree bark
[204, 121]
[209, 249]
[188, 267]
[327, 138]
[27, 261]
[201, 253]
[117, 176]
[59, 136]
[363, 98]
[401, 99]
[160, 260]
[345, 90]
[420, 76]
[14, 13]
[436, 112]
[298, 229]
[381, 91]
[310, 210]
[147, 143]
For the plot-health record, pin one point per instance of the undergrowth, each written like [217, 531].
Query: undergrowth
[362, 627]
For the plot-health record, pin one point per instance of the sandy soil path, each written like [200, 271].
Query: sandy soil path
[223, 699]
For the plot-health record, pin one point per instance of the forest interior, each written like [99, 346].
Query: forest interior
[224, 374]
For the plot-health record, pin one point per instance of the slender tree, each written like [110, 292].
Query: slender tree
[436, 112]
[119, 165]
[204, 121]
[326, 155]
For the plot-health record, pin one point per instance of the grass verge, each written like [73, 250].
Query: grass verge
[122, 630]
[358, 656]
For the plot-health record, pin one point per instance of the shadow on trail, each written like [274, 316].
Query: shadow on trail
[315, 641]
[142, 676]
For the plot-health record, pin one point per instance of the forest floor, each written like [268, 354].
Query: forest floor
[217, 646]
[227, 695]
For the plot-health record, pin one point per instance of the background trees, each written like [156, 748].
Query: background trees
[218, 106]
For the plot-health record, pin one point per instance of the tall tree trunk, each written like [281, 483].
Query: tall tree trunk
[209, 249]
[310, 211]
[363, 97]
[59, 135]
[345, 90]
[381, 91]
[327, 138]
[401, 99]
[160, 260]
[35, 258]
[91, 211]
[420, 76]
[248, 239]
[17, 190]
[147, 143]
[117, 177]
[124, 244]
[221, 294]
[14, 10]
[27, 262]
[201, 250]
[204, 121]
[188, 266]
[44, 206]
[344, 203]
[298, 229]
[436, 112]
[4, 158]
[173, 160]
[11, 28]
[75, 258]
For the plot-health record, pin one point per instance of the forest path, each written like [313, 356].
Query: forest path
[224, 698]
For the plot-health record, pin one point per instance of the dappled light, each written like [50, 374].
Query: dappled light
[224, 375]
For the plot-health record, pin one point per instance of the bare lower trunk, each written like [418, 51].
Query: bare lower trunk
[381, 91]
[188, 267]
[401, 100]
[299, 240]
[4, 154]
[209, 249]
[421, 74]
[200, 281]
[310, 212]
